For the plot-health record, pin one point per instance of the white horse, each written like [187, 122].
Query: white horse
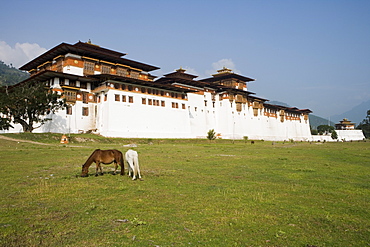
[132, 160]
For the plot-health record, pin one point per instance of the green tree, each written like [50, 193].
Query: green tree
[334, 135]
[10, 75]
[322, 129]
[211, 135]
[28, 104]
[365, 125]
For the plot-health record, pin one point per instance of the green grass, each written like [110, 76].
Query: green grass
[194, 193]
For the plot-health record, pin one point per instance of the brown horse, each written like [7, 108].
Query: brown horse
[105, 157]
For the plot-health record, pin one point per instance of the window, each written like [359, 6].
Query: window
[59, 66]
[85, 97]
[85, 111]
[162, 103]
[121, 72]
[135, 74]
[70, 95]
[123, 98]
[143, 101]
[62, 81]
[105, 69]
[69, 110]
[116, 97]
[88, 68]
[105, 97]
[183, 106]
[150, 102]
[130, 99]
[72, 83]
[83, 85]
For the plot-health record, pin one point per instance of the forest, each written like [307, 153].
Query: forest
[10, 75]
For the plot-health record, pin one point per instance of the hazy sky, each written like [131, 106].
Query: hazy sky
[308, 54]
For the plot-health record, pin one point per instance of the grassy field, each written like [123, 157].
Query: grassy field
[193, 193]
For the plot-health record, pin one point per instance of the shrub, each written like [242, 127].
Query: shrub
[211, 135]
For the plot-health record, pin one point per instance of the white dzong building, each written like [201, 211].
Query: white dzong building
[118, 97]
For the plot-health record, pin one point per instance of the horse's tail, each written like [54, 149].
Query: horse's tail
[121, 162]
[89, 161]
[136, 163]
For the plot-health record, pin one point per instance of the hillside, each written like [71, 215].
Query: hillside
[355, 115]
[317, 121]
[10, 75]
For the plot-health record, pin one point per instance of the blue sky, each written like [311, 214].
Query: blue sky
[309, 54]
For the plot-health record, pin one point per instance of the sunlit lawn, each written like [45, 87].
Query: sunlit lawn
[193, 193]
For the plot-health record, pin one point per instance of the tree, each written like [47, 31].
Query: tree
[365, 125]
[211, 135]
[27, 104]
[10, 75]
[325, 129]
[334, 135]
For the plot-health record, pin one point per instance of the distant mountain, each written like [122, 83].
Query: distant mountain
[317, 121]
[10, 75]
[274, 102]
[314, 120]
[355, 115]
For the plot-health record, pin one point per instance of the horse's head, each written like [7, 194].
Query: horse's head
[84, 172]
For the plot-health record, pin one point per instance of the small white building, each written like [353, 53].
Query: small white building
[346, 131]
[117, 97]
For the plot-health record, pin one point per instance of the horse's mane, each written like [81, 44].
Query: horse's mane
[90, 159]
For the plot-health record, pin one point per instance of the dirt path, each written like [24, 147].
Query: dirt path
[37, 143]
[19, 140]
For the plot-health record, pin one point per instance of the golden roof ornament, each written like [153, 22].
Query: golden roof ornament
[224, 70]
[181, 70]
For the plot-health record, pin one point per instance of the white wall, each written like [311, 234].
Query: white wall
[124, 119]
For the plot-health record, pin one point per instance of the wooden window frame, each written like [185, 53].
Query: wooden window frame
[69, 110]
[89, 68]
[117, 97]
[105, 69]
[83, 85]
[85, 111]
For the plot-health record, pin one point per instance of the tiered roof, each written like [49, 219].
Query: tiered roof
[88, 50]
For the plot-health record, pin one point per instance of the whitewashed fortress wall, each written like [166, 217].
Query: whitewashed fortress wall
[117, 97]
